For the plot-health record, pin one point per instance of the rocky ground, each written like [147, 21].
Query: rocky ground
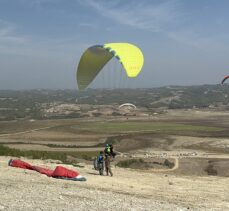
[127, 190]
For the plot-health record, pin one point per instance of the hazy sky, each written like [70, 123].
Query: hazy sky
[185, 42]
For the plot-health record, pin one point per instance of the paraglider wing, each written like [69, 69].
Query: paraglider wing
[96, 57]
[91, 62]
[130, 56]
[224, 79]
[128, 105]
[60, 172]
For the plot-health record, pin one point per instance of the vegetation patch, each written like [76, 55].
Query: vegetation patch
[44, 155]
[130, 163]
[168, 163]
[210, 169]
[142, 164]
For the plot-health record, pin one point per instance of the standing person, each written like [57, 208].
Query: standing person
[109, 149]
[100, 161]
[108, 164]
[112, 151]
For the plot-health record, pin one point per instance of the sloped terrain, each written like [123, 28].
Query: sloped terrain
[127, 190]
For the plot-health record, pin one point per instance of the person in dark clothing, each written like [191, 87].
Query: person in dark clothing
[113, 154]
[108, 165]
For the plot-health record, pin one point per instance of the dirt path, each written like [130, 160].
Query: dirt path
[27, 131]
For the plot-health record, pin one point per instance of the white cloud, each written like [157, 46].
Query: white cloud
[193, 37]
[8, 35]
[168, 17]
[14, 44]
[138, 14]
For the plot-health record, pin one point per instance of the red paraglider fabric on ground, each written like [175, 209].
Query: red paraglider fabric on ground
[20, 164]
[60, 171]
[42, 170]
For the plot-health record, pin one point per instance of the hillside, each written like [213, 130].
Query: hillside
[49, 104]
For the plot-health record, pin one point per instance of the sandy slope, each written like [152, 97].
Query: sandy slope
[127, 190]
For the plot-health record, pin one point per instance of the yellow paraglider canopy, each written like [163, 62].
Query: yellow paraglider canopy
[96, 57]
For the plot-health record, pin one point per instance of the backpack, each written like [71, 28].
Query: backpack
[100, 159]
[107, 150]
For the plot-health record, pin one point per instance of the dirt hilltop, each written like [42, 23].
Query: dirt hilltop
[127, 190]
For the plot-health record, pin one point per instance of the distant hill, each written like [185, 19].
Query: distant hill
[32, 103]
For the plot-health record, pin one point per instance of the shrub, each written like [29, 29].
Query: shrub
[128, 163]
[168, 163]
[210, 170]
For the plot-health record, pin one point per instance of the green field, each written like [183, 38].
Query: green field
[137, 126]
